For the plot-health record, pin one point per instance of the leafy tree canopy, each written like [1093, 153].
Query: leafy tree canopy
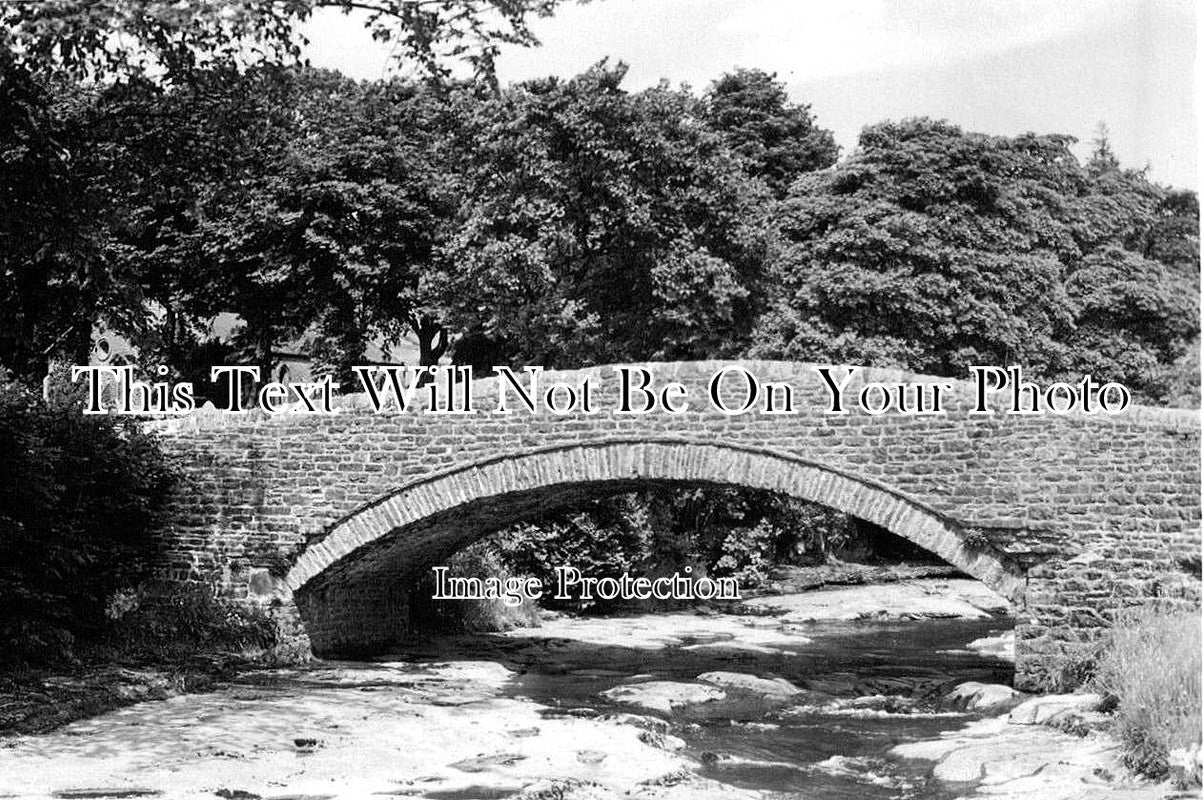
[602, 225]
[89, 38]
[119, 117]
[933, 249]
[338, 225]
[778, 139]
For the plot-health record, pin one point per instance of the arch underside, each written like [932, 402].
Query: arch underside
[396, 538]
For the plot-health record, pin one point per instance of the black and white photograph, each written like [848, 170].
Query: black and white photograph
[600, 400]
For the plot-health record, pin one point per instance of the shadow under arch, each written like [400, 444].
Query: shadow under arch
[365, 556]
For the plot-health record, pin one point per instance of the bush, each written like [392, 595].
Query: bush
[186, 620]
[480, 560]
[603, 539]
[716, 531]
[79, 498]
[755, 531]
[1151, 664]
[748, 554]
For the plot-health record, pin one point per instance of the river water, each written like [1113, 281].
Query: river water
[487, 716]
[871, 686]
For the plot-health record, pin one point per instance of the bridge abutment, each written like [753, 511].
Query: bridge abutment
[354, 618]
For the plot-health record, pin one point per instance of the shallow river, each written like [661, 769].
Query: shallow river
[487, 716]
[874, 685]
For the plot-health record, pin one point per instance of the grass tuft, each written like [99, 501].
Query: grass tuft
[1151, 664]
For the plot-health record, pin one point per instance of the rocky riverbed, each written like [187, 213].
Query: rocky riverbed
[865, 692]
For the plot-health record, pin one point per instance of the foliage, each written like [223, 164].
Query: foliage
[366, 191]
[776, 530]
[933, 249]
[777, 139]
[569, 222]
[300, 200]
[100, 191]
[479, 560]
[54, 273]
[601, 225]
[1182, 379]
[975, 539]
[747, 555]
[1135, 291]
[1152, 663]
[90, 38]
[602, 538]
[217, 136]
[78, 502]
[186, 619]
[743, 532]
[715, 531]
[137, 135]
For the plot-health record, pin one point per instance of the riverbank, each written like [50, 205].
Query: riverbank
[38, 702]
[434, 729]
[1028, 753]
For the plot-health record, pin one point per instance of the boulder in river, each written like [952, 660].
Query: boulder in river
[766, 687]
[975, 696]
[664, 696]
[641, 721]
[1001, 646]
[566, 789]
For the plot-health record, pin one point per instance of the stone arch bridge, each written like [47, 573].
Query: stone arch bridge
[328, 520]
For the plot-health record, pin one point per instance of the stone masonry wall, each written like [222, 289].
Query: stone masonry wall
[1072, 516]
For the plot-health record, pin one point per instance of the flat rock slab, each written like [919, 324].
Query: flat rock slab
[1003, 761]
[718, 632]
[925, 598]
[766, 687]
[1042, 710]
[485, 763]
[997, 761]
[664, 696]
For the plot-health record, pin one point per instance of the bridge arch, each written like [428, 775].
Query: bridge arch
[396, 537]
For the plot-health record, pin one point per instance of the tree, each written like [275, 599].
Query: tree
[777, 139]
[299, 199]
[928, 249]
[933, 249]
[333, 232]
[1134, 318]
[392, 145]
[1136, 289]
[601, 226]
[57, 185]
[89, 38]
[103, 108]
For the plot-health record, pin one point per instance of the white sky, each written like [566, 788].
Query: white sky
[997, 66]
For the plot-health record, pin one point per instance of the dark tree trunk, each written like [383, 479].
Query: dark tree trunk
[432, 341]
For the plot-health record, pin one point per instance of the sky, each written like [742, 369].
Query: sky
[1000, 67]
